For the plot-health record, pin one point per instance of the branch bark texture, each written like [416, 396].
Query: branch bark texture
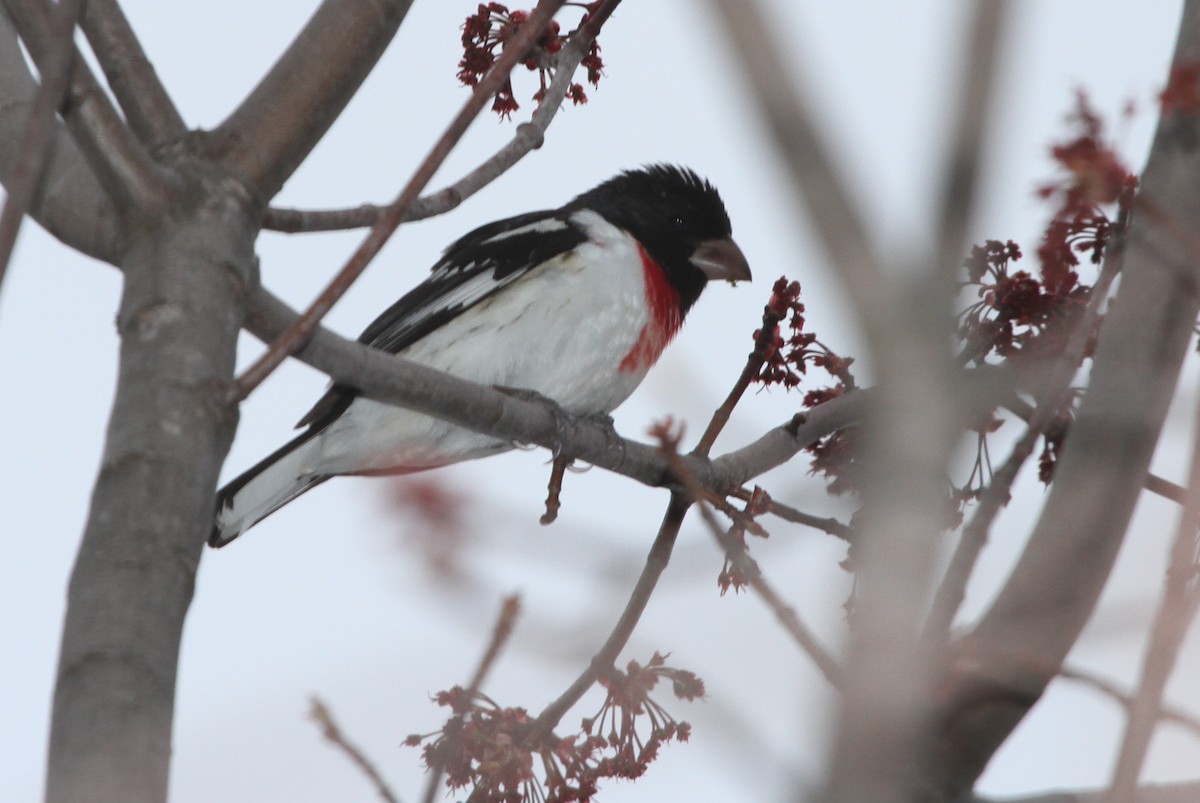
[1054, 587]
[168, 434]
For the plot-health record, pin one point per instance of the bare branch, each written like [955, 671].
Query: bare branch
[1155, 484]
[764, 342]
[829, 202]
[961, 182]
[1175, 613]
[789, 513]
[528, 137]
[151, 509]
[528, 33]
[280, 122]
[1187, 792]
[320, 713]
[70, 203]
[604, 659]
[1054, 587]
[36, 136]
[148, 108]
[125, 170]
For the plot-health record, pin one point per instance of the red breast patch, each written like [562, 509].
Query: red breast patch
[665, 319]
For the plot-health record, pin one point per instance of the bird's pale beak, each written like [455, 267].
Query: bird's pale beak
[721, 259]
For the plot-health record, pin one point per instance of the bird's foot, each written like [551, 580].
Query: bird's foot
[565, 421]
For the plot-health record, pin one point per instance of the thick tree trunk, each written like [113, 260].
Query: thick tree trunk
[168, 434]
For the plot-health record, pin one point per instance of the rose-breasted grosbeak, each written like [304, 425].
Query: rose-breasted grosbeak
[575, 303]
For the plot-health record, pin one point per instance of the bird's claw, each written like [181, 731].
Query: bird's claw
[562, 419]
[565, 421]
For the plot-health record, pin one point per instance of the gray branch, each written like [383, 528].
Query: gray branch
[1053, 589]
[70, 205]
[1187, 792]
[280, 122]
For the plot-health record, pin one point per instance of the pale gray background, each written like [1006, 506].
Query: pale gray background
[328, 597]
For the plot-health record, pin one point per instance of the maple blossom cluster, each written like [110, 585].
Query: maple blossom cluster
[493, 26]
[500, 755]
[1020, 315]
[786, 361]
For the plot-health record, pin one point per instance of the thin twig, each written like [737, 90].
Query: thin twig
[839, 221]
[34, 148]
[510, 606]
[330, 730]
[952, 590]
[528, 137]
[122, 166]
[788, 513]
[1175, 613]
[961, 183]
[602, 662]
[741, 518]
[554, 488]
[386, 226]
[741, 560]
[1155, 484]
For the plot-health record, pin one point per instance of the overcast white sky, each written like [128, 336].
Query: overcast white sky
[330, 597]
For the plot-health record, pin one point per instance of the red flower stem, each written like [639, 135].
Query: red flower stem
[381, 232]
[766, 337]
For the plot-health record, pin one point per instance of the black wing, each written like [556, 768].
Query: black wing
[473, 268]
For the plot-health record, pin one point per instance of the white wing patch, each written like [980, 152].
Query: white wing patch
[540, 227]
[463, 296]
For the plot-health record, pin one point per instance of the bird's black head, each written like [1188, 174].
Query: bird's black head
[679, 218]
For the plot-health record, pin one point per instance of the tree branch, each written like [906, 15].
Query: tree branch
[70, 203]
[981, 54]
[1187, 792]
[747, 567]
[280, 122]
[125, 170]
[1054, 587]
[151, 509]
[837, 218]
[604, 659]
[528, 137]
[34, 145]
[1175, 613]
[148, 108]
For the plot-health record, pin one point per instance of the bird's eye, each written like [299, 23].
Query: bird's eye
[679, 223]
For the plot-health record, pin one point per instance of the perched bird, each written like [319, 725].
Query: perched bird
[574, 303]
